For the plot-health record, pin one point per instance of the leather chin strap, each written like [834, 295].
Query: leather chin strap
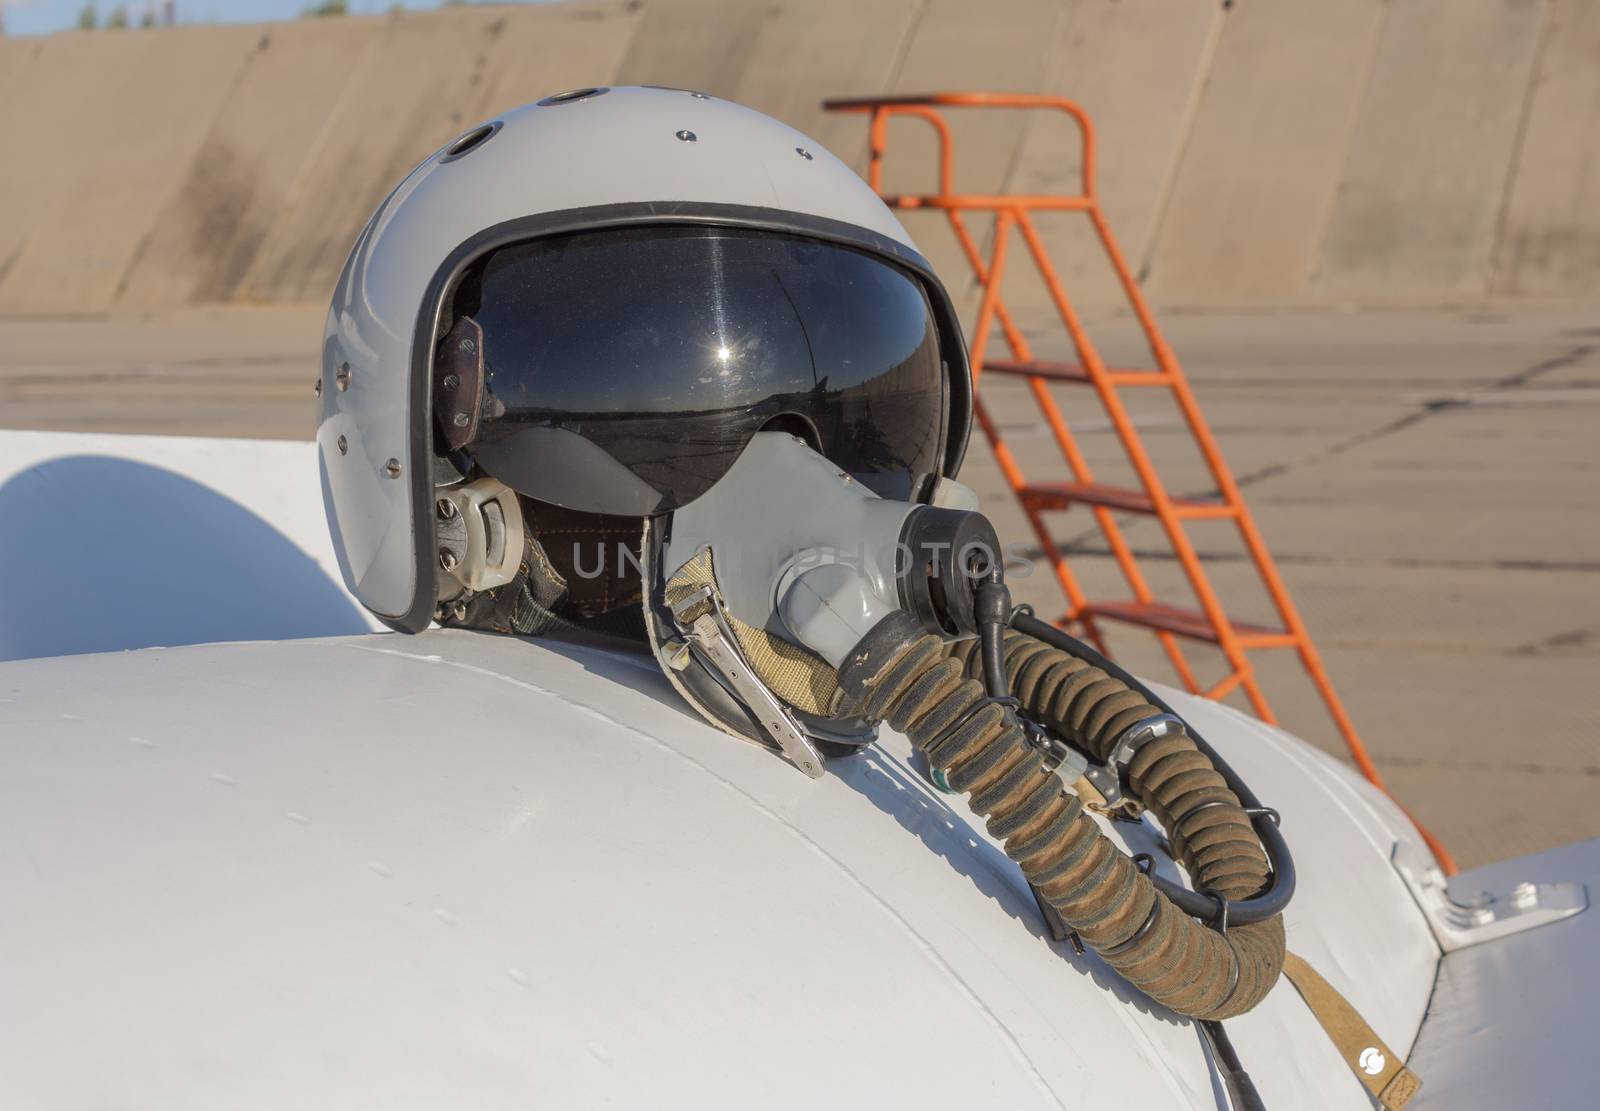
[528, 605]
[1380, 1069]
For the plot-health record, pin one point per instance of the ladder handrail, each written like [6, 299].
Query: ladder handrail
[922, 105]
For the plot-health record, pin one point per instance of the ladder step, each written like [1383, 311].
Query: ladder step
[1187, 623]
[1042, 496]
[1073, 372]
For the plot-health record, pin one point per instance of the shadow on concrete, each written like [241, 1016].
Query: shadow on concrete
[100, 554]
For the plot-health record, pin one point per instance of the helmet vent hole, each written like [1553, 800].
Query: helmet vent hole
[676, 89]
[471, 141]
[572, 95]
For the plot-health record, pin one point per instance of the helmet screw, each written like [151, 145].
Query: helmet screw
[392, 468]
[446, 508]
[344, 445]
[447, 559]
[451, 381]
[461, 420]
[687, 136]
[803, 153]
[341, 377]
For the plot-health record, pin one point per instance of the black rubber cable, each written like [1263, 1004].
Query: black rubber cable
[1198, 904]
[1242, 1092]
[992, 609]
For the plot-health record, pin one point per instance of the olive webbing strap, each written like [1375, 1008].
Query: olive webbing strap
[526, 605]
[796, 675]
[1380, 1069]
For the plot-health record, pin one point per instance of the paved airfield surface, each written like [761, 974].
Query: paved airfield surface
[1430, 483]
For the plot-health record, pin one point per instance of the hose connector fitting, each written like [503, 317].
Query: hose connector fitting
[1111, 777]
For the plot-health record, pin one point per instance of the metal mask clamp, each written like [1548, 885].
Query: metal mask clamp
[1107, 777]
[704, 623]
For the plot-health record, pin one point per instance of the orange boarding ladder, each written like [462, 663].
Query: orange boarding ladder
[1013, 214]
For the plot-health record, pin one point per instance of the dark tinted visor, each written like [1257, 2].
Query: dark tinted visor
[626, 369]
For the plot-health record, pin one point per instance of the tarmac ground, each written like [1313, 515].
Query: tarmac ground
[1428, 481]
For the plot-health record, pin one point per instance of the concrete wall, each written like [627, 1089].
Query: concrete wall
[1420, 194]
[1261, 152]
[1550, 241]
[1257, 177]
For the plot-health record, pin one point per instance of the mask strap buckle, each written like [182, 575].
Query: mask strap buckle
[704, 622]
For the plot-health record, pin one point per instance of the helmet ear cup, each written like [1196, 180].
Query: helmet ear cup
[480, 531]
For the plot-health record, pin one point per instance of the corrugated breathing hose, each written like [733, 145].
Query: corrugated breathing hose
[912, 680]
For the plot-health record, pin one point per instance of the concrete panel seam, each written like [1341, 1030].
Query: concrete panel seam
[902, 50]
[1014, 160]
[1191, 112]
[159, 207]
[1498, 244]
[294, 194]
[1319, 241]
[622, 51]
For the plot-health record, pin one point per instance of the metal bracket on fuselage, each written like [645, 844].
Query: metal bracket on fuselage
[1488, 915]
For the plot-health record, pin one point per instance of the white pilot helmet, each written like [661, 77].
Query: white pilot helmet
[595, 301]
[598, 314]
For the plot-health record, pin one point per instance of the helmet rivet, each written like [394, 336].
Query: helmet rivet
[461, 420]
[317, 389]
[392, 468]
[342, 377]
[687, 136]
[803, 153]
[344, 445]
[446, 508]
[447, 559]
[451, 381]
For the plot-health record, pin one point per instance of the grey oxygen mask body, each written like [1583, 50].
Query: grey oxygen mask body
[759, 589]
